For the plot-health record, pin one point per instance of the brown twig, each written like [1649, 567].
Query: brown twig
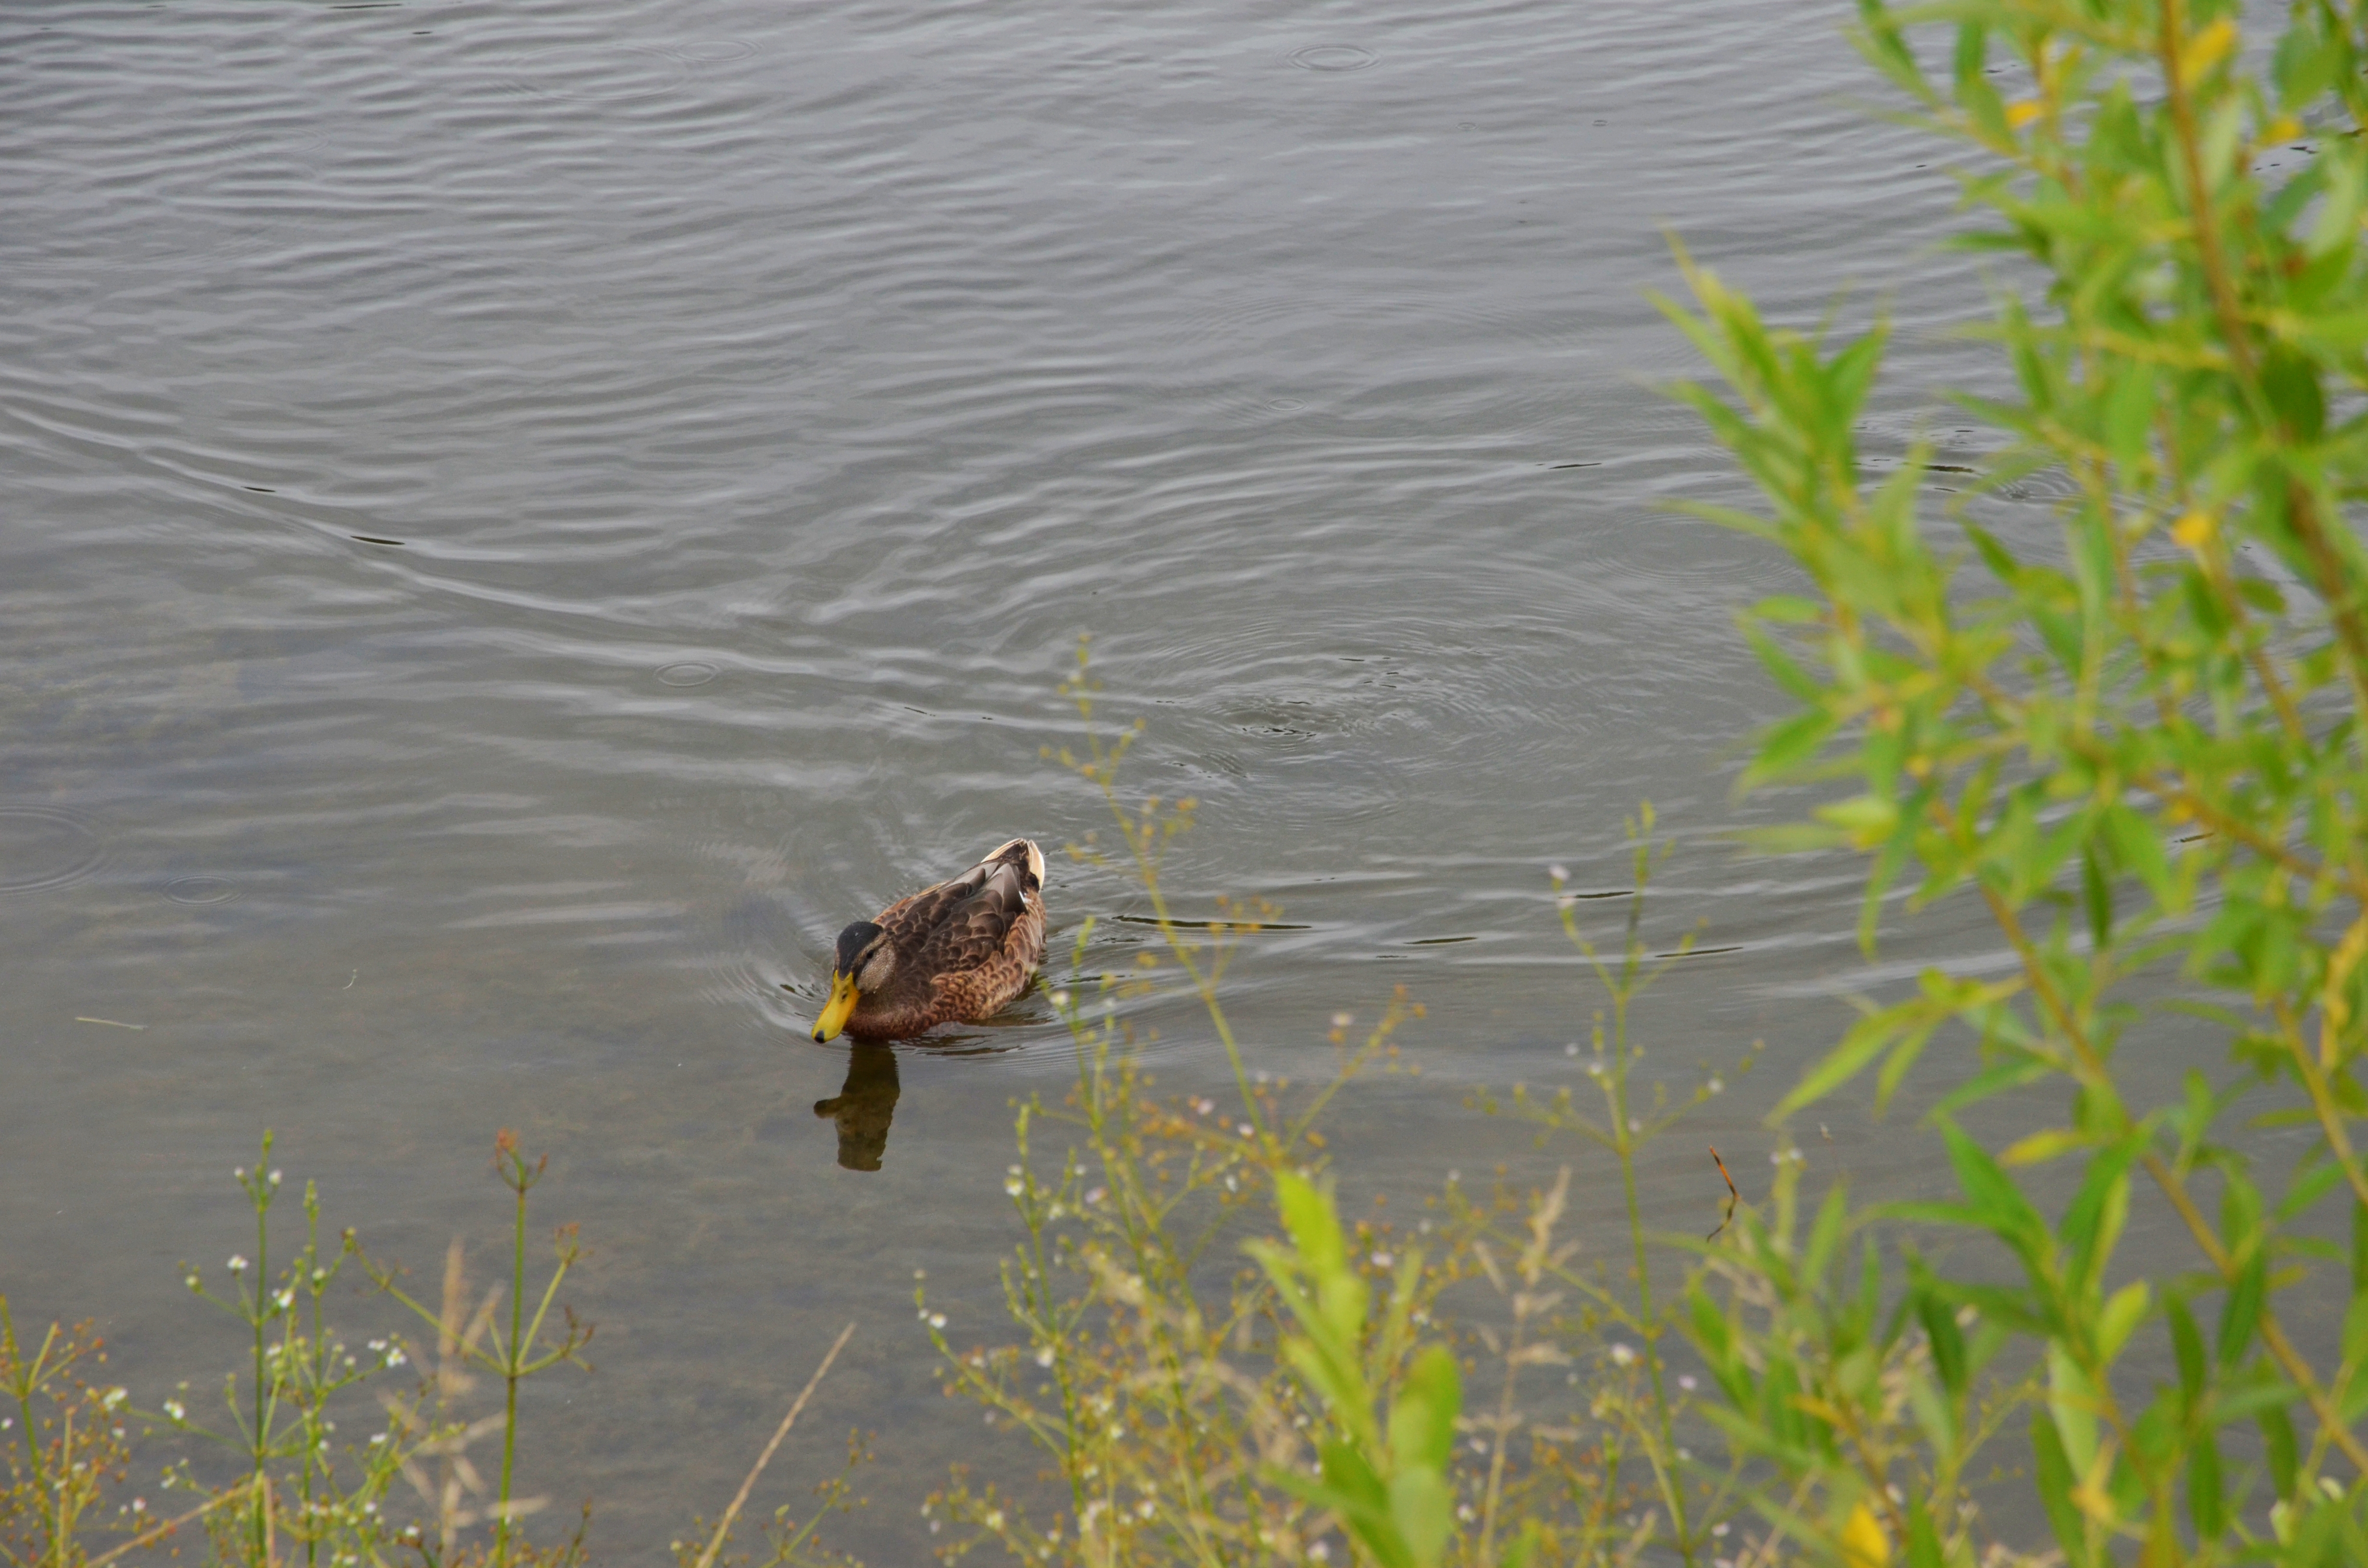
[1733, 1196]
[157, 1532]
[723, 1527]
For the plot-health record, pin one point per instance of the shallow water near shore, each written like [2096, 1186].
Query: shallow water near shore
[524, 520]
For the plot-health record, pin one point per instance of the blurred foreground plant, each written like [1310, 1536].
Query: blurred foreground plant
[1196, 1411]
[63, 1438]
[514, 1355]
[301, 1491]
[1632, 1393]
[2138, 741]
[300, 1494]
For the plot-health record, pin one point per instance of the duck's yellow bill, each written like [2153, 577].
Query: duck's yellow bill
[840, 1006]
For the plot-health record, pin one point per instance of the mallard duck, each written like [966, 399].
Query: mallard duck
[954, 953]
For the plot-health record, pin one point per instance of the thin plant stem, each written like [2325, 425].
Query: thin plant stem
[510, 1372]
[164, 1528]
[740, 1498]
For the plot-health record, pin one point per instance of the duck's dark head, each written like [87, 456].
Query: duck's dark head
[865, 959]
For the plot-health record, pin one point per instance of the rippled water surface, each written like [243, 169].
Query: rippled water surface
[523, 519]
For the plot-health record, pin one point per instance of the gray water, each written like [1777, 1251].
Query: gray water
[522, 520]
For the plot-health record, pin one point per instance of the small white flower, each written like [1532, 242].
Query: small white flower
[1095, 1195]
[1571, 1050]
[1383, 1259]
[275, 1178]
[1060, 999]
[1559, 873]
[139, 1505]
[1145, 1508]
[283, 1300]
[394, 1356]
[1011, 1187]
[237, 1264]
[1454, 1177]
[1246, 1130]
[937, 1320]
[238, 1173]
[1623, 1355]
[1687, 1382]
[1044, 1357]
[1595, 1069]
[1342, 1021]
[1718, 1529]
[192, 1282]
[1464, 1511]
[1635, 1124]
[1321, 1552]
[115, 1397]
[995, 1518]
[1717, 1085]
[175, 1410]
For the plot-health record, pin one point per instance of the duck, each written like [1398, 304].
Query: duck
[954, 953]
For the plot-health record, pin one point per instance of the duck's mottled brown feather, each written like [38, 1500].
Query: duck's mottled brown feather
[964, 948]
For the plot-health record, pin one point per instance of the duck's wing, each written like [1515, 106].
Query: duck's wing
[968, 922]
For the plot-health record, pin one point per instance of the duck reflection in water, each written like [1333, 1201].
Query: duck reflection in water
[864, 1106]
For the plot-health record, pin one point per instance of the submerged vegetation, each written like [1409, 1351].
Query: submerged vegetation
[2138, 740]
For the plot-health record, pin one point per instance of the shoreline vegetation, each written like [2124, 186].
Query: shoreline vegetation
[2139, 743]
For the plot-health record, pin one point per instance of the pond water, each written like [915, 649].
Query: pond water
[524, 519]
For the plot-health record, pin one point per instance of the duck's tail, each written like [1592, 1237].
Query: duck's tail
[1019, 852]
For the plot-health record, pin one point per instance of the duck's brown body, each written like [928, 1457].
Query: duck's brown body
[963, 949]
